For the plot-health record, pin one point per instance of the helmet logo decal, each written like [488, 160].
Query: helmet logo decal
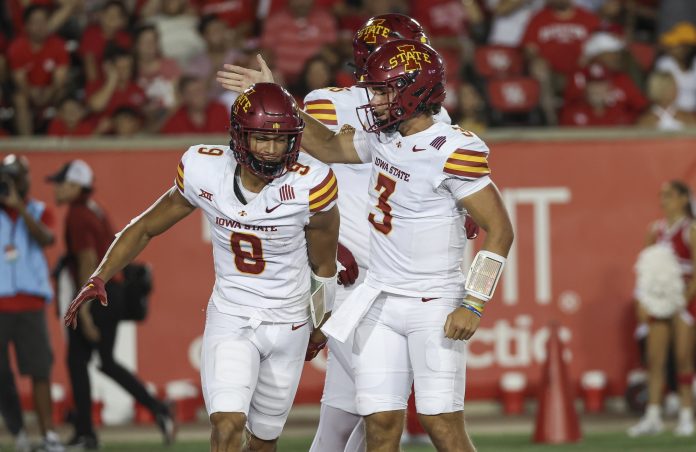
[370, 32]
[409, 57]
[243, 102]
[276, 125]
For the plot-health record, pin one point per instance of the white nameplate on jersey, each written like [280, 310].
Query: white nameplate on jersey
[11, 253]
[317, 302]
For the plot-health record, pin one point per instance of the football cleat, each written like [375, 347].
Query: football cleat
[646, 426]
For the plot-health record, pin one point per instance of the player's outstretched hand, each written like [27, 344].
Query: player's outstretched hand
[472, 229]
[238, 78]
[93, 289]
[349, 274]
[461, 324]
[317, 341]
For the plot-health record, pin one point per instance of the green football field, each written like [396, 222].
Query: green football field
[598, 442]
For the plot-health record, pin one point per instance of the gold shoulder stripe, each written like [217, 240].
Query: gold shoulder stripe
[468, 158]
[471, 169]
[325, 201]
[322, 189]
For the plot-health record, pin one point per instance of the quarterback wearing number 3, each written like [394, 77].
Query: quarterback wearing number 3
[414, 312]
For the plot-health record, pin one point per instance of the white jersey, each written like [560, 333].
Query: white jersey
[337, 108]
[417, 234]
[261, 266]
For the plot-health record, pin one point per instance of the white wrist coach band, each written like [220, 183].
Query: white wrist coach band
[484, 274]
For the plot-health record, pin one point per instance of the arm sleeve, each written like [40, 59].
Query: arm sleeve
[361, 141]
[461, 189]
[468, 162]
[323, 196]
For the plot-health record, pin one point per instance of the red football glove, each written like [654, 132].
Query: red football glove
[93, 289]
[472, 229]
[313, 348]
[350, 274]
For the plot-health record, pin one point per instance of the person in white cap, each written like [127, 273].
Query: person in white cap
[605, 51]
[88, 234]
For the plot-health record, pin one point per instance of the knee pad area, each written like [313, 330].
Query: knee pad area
[265, 427]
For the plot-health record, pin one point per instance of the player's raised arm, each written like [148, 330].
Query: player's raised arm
[162, 215]
[238, 78]
[323, 144]
[317, 140]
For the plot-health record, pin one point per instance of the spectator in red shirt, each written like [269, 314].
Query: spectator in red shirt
[295, 35]
[597, 107]
[605, 50]
[448, 24]
[556, 34]
[156, 75]
[72, 120]
[118, 89]
[111, 29]
[553, 43]
[39, 65]
[197, 114]
[446, 21]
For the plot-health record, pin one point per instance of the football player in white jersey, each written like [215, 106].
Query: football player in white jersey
[416, 309]
[337, 108]
[274, 227]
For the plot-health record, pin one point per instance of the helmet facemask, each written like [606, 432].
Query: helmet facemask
[396, 113]
[240, 144]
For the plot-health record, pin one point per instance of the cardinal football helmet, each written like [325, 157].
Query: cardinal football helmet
[265, 108]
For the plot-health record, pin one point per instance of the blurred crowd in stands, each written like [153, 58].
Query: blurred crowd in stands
[132, 67]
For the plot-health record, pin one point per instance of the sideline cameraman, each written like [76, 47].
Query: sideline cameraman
[25, 289]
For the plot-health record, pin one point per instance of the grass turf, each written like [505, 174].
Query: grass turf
[597, 442]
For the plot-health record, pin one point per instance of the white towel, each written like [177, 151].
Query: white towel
[343, 320]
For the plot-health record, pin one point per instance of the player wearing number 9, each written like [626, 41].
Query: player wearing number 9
[274, 228]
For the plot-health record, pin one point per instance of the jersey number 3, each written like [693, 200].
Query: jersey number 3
[386, 186]
[248, 253]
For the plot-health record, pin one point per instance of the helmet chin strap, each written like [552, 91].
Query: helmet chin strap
[262, 169]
